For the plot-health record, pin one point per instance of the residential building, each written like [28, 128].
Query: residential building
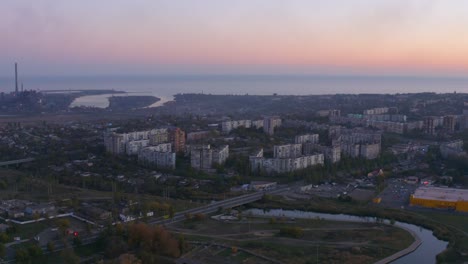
[431, 123]
[387, 126]
[329, 113]
[376, 111]
[449, 123]
[133, 147]
[332, 154]
[361, 144]
[452, 148]
[177, 138]
[198, 135]
[160, 156]
[282, 165]
[221, 154]
[117, 143]
[158, 136]
[308, 138]
[257, 124]
[270, 123]
[203, 157]
[228, 126]
[287, 158]
[287, 151]
[386, 117]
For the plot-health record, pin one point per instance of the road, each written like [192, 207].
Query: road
[14, 162]
[213, 207]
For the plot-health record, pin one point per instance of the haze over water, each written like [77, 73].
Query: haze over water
[166, 86]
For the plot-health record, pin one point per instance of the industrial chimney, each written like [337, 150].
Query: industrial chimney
[16, 78]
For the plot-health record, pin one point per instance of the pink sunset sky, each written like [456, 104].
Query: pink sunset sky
[89, 37]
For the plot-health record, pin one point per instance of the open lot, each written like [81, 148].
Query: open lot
[329, 241]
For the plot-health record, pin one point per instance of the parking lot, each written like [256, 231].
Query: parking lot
[397, 193]
[357, 190]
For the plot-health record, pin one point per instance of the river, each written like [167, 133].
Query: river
[426, 253]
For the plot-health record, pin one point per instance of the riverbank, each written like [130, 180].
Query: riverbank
[417, 242]
[456, 251]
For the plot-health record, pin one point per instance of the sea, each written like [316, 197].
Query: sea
[165, 87]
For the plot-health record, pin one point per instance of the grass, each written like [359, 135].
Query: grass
[239, 257]
[350, 242]
[458, 241]
[458, 221]
[30, 230]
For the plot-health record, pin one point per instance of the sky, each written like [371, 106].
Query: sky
[113, 37]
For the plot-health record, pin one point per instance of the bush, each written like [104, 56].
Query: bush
[295, 232]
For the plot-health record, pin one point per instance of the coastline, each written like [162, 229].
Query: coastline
[104, 100]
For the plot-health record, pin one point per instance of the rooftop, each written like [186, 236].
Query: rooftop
[438, 193]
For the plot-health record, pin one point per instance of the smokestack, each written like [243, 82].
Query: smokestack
[16, 78]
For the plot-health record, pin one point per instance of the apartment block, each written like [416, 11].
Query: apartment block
[161, 156]
[198, 135]
[203, 157]
[257, 124]
[332, 154]
[270, 123]
[177, 138]
[449, 123]
[376, 111]
[287, 151]
[133, 147]
[283, 165]
[308, 138]
[361, 144]
[228, 126]
[158, 136]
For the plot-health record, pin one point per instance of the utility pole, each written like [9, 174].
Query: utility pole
[317, 254]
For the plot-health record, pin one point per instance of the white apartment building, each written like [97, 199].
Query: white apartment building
[308, 138]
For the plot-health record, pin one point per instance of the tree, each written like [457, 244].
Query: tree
[295, 232]
[128, 259]
[4, 238]
[63, 225]
[69, 256]
[234, 250]
[171, 212]
[2, 250]
[22, 256]
[50, 246]
[182, 244]
[76, 241]
[34, 251]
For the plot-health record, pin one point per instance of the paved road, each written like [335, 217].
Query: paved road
[213, 207]
[13, 162]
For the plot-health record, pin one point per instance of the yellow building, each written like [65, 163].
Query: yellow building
[445, 198]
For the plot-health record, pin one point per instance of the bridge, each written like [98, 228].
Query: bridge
[16, 162]
[213, 207]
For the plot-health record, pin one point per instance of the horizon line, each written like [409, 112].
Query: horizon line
[237, 75]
